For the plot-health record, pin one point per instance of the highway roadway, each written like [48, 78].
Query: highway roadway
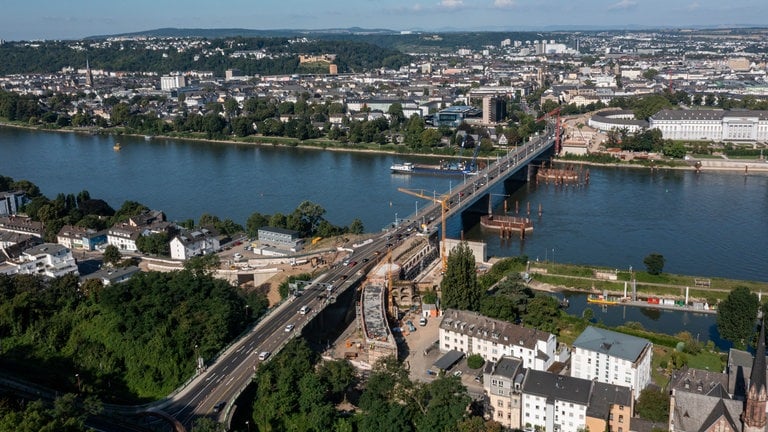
[214, 390]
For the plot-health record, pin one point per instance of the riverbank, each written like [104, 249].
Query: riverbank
[746, 166]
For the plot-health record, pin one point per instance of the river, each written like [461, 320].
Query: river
[708, 224]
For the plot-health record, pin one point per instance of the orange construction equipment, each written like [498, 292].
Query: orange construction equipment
[547, 116]
[443, 201]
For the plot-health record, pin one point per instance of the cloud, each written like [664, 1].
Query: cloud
[504, 4]
[623, 5]
[694, 6]
[451, 4]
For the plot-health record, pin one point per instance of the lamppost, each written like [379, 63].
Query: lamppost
[248, 425]
[77, 376]
[450, 187]
[395, 219]
[553, 255]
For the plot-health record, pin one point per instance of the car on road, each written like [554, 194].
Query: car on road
[264, 355]
[289, 328]
[219, 406]
[304, 310]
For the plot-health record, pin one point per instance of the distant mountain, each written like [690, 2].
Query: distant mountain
[234, 32]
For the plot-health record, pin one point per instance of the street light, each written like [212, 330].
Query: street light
[395, 219]
[77, 376]
[450, 187]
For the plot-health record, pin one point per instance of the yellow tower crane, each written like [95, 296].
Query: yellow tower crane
[443, 201]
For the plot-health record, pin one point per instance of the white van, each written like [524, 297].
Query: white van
[304, 310]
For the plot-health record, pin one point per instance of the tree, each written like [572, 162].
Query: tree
[356, 227]
[112, 255]
[736, 316]
[653, 405]
[459, 285]
[475, 361]
[654, 263]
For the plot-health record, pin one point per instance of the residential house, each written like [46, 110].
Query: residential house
[47, 259]
[112, 275]
[472, 333]
[553, 402]
[614, 358]
[502, 382]
[21, 225]
[75, 237]
[192, 243]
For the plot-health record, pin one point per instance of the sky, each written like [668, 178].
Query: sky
[75, 19]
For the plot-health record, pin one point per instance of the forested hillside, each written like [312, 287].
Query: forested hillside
[214, 55]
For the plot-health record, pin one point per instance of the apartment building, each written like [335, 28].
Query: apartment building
[613, 358]
[47, 259]
[472, 333]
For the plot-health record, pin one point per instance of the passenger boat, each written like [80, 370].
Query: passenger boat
[444, 168]
[402, 168]
[116, 147]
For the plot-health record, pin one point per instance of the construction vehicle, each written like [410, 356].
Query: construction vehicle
[548, 116]
[443, 201]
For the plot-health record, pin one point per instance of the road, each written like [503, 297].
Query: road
[231, 373]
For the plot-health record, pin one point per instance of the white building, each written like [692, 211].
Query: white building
[553, 402]
[472, 333]
[712, 125]
[172, 82]
[47, 259]
[192, 243]
[613, 358]
[123, 237]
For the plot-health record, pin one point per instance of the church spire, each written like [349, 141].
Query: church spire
[88, 73]
[754, 416]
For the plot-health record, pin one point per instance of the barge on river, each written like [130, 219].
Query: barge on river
[506, 225]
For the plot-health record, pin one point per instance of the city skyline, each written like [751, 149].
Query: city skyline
[50, 19]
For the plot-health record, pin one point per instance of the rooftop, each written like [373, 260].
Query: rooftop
[611, 343]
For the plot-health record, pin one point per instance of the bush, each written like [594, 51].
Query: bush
[475, 361]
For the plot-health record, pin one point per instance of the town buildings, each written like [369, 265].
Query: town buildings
[520, 398]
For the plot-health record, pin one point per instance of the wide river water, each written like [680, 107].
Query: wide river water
[708, 224]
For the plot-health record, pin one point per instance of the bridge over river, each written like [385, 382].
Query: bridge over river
[214, 390]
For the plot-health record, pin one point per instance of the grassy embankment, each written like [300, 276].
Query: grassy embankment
[665, 357]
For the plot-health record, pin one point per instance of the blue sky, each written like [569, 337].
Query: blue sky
[74, 19]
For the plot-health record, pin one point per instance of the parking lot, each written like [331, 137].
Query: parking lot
[423, 352]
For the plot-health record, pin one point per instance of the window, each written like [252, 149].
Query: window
[621, 418]
[500, 403]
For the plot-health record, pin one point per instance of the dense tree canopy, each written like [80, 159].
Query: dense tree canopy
[736, 316]
[132, 340]
[459, 285]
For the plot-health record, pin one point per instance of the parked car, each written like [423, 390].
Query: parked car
[423, 321]
[457, 373]
[410, 325]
